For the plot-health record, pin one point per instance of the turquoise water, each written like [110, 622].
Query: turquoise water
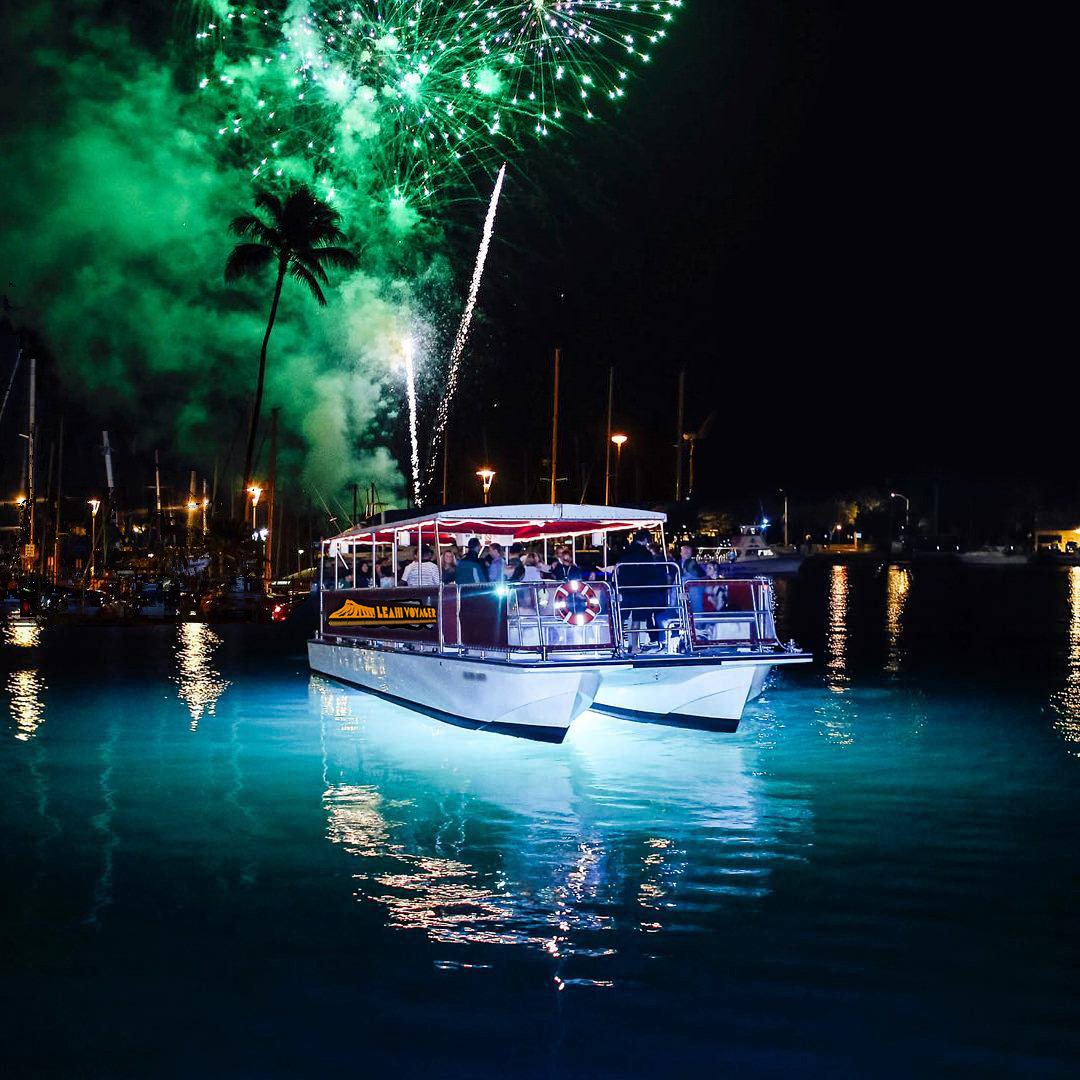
[214, 864]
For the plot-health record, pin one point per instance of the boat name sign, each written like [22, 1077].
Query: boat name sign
[372, 616]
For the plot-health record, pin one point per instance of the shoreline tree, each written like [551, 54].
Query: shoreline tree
[299, 239]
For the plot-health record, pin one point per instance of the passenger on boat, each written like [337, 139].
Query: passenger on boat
[470, 571]
[689, 567]
[564, 568]
[690, 570]
[529, 569]
[497, 566]
[422, 572]
[517, 555]
[641, 602]
[449, 567]
[387, 579]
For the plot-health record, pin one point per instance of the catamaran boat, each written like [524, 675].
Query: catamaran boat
[528, 657]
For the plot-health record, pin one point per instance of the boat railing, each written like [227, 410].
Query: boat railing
[520, 620]
[730, 612]
[651, 606]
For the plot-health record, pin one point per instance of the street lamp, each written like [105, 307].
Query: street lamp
[256, 493]
[486, 476]
[95, 505]
[907, 508]
[619, 441]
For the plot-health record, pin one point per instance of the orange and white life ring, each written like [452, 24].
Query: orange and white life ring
[576, 602]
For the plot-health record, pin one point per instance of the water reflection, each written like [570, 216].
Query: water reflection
[102, 823]
[1066, 701]
[200, 683]
[25, 688]
[898, 585]
[481, 840]
[836, 636]
[835, 713]
[22, 633]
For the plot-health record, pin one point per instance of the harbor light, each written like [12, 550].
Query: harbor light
[256, 493]
[192, 506]
[486, 476]
[21, 500]
[619, 441]
[95, 505]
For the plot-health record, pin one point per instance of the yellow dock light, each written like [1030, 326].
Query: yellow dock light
[486, 476]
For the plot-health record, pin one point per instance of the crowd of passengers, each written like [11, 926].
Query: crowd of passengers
[477, 564]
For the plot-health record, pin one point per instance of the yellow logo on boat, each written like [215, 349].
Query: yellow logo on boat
[353, 614]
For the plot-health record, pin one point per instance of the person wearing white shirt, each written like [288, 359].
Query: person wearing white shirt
[422, 572]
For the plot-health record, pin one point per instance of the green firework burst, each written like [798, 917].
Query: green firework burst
[408, 100]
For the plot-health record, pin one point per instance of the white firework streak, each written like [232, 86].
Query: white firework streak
[410, 389]
[466, 322]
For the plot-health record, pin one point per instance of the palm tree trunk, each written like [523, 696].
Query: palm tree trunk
[256, 405]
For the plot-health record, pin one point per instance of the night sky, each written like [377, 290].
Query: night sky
[833, 215]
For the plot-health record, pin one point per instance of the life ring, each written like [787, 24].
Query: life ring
[576, 602]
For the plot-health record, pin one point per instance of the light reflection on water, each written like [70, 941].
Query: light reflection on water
[25, 685]
[836, 641]
[23, 633]
[834, 713]
[1066, 701]
[25, 688]
[898, 585]
[553, 882]
[200, 683]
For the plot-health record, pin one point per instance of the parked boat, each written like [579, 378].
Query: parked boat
[995, 555]
[528, 657]
[750, 554]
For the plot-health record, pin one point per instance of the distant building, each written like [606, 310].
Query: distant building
[1066, 541]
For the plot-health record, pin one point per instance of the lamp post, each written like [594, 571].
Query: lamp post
[95, 505]
[783, 491]
[256, 493]
[619, 441]
[907, 508]
[486, 477]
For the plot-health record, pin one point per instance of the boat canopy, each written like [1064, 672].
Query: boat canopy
[528, 522]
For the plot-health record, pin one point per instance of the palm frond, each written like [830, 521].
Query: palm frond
[268, 201]
[248, 225]
[305, 277]
[309, 264]
[338, 258]
[246, 260]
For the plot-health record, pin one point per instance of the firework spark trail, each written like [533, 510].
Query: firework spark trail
[466, 322]
[410, 389]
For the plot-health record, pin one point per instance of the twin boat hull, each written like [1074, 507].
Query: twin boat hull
[541, 701]
[516, 699]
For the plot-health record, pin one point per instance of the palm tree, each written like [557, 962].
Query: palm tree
[297, 239]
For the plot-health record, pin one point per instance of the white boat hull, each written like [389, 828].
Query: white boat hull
[530, 700]
[702, 695]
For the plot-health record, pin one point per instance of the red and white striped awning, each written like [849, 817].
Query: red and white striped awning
[527, 522]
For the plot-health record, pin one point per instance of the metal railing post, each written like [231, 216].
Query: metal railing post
[319, 584]
[539, 623]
